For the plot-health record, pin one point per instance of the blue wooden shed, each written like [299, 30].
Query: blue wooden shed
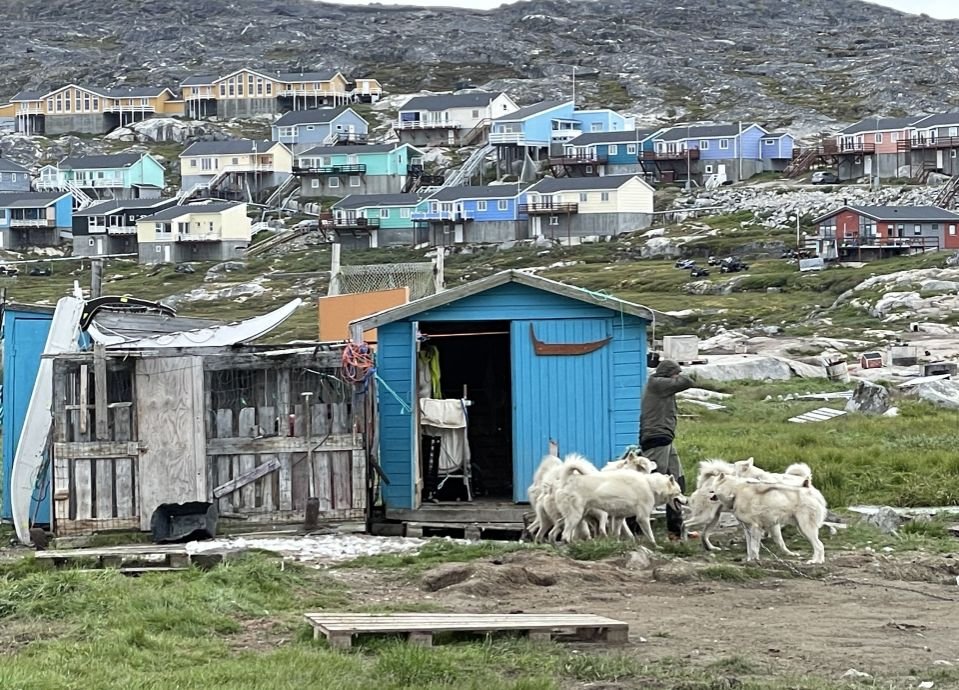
[539, 360]
[25, 329]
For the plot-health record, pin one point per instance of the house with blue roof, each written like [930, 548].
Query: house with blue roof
[453, 215]
[603, 153]
[715, 154]
[339, 171]
[304, 129]
[35, 219]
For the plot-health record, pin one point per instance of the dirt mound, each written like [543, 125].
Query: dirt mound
[524, 569]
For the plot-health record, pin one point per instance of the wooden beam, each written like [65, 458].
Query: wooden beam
[279, 444]
[100, 449]
[228, 361]
[100, 392]
[244, 479]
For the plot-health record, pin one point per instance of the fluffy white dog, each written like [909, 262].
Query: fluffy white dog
[618, 493]
[763, 506]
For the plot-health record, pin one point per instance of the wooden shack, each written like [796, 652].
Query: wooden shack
[257, 430]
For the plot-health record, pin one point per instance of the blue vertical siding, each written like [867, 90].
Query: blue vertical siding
[567, 398]
[24, 337]
[64, 211]
[780, 147]
[395, 364]
[589, 403]
[750, 143]
[492, 211]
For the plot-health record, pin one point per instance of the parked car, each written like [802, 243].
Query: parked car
[825, 177]
[698, 272]
[713, 261]
[684, 263]
[41, 271]
[8, 270]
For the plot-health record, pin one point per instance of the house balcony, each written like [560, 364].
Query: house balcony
[121, 230]
[30, 109]
[925, 243]
[123, 108]
[305, 93]
[351, 169]
[513, 138]
[441, 216]
[854, 148]
[419, 124]
[547, 209]
[929, 143]
[99, 183]
[351, 224]
[197, 237]
[587, 159]
[681, 155]
[31, 223]
[340, 138]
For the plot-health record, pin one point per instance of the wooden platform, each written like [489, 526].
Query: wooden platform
[339, 628]
[159, 557]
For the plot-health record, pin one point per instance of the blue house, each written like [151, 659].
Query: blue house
[603, 153]
[726, 153]
[35, 219]
[25, 330]
[453, 215]
[776, 150]
[303, 129]
[537, 359]
[339, 171]
[13, 177]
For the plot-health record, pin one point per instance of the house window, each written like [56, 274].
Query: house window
[50, 104]
[269, 88]
[157, 249]
[613, 149]
[952, 153]
[769, 142]
[480, 205]
[90, 242]
[384, 213]
[334, 182]
[315, 184]
[952, 230]
[631, 148]
[68, 106]
[709, 170]
[354, 180]
[953, 131]
[239, 88]
[703, 144]
[206, 164]
[193, 162]
[916, 229]
[232, 88]
[502, 205]
[211, 226]
[86, 101]
[583, 197]
[554, 220]
[235, 161]
[589, 169]
[13, 177]
[475, 114]
[604, 196]
[724, 143]
[158, 227]
[894, 137]
[309, 128]
[59, 104]
[878, 137]
[404, 213]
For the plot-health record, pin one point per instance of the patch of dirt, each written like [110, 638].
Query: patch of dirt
[886, 615]
[16, 634]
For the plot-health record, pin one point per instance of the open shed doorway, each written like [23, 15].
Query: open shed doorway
[474, 362]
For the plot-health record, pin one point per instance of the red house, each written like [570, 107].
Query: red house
[872, 232]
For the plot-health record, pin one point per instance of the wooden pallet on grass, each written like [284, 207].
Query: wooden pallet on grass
[339, 628]
[161, 557]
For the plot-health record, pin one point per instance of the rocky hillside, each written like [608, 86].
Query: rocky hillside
[830, 61]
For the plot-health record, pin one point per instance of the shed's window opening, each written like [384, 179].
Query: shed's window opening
[474, 362]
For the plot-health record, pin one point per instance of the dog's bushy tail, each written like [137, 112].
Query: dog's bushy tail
[800, 469]
[713, 468]
[545, 465]
[574, 463]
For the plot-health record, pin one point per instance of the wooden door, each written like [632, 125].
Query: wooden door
[170, 408]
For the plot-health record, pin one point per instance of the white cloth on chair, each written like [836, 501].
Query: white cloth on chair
[447, 419]
[443, 414]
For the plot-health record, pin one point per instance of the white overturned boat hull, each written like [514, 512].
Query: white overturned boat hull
[63, 337]
[214, 336]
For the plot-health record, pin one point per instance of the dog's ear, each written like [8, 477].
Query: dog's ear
[721, 476]
[806, 483]
[748, 462]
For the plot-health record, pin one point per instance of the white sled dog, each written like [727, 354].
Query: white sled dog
[766, 506]
[618, 493]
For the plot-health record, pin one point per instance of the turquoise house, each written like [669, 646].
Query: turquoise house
[374, 220]
[118, 176]
[537, 359]
[25, 330]
[341, 171]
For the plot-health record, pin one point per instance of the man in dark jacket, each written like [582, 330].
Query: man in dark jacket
[657, 429]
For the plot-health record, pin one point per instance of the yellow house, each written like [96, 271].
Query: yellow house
[235, 165]
[574, 207]
[95, 110]
[367, 90]
[194, 232]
